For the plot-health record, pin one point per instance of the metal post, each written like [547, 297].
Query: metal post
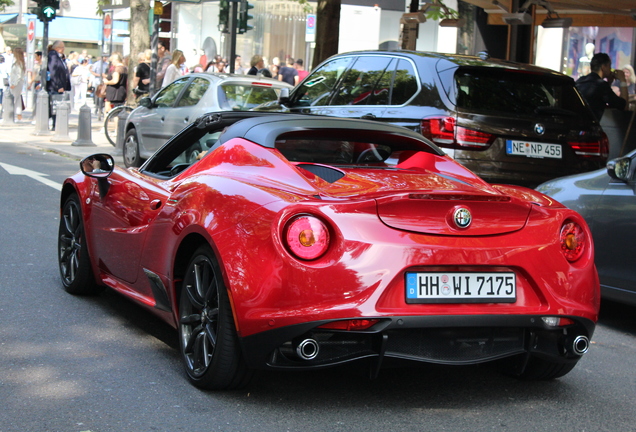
[42, 114]
[154, 43]
[233, 16]
[84, 128]
[8, 110]
[63, 110]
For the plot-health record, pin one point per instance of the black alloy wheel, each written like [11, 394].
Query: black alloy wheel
[209, 344]
[74, 262]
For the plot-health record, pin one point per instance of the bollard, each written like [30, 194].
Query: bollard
[42, 114]
[61, 124]
[121, 132]
[84, 128]
[8, 110]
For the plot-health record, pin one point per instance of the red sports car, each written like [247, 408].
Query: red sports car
[296, 242]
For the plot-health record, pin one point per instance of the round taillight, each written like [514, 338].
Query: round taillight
[307, 237]
[573, 241]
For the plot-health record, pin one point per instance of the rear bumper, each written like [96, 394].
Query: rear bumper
[451, 340]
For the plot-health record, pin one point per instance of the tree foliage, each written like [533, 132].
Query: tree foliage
[5, 3]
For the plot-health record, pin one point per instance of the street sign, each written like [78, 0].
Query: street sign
[31, 31]
[310, 28]
[108, 25]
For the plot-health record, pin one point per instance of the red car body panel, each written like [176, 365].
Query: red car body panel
[382, 224]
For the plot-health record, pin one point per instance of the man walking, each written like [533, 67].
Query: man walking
[59, 80]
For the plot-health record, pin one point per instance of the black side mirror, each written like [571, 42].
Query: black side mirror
[619, 169]
[283, 98]
[145, 102]
[99, 166]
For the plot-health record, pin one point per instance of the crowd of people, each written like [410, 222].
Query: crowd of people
[75, 76]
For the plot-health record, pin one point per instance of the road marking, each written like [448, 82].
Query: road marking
[14, 170]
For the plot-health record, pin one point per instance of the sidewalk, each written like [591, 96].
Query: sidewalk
[22, 132]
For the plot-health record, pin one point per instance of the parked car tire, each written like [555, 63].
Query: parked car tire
[131, 150]
[74, 261]
[209, 344]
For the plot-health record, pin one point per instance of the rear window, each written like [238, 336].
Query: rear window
[245, 97]
[491, 91]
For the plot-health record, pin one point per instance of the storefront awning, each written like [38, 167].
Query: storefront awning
[8, 18]
[599, 13]
[76, 29]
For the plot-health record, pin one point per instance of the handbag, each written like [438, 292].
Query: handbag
[101, 91]
[22, 100]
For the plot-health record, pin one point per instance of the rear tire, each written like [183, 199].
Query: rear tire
[111, 122]
[210, 349]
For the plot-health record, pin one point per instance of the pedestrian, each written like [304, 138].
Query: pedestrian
[141, 81]
[59, 81]
[79, 80]
[174, 70]
[288, 73]
[300, 68]
[165, 58]
[238, 67]
[116, 82]
[256, 64]
[98, 69]
[597, 92]
[16, 81]
[35, 80]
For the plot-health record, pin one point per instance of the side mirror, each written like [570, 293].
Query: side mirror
[99, 166]
[619, 169]
[283, 98]
[145, 102]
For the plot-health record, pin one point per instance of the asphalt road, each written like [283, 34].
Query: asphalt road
[102, 364]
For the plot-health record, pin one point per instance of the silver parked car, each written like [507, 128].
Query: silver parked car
[175, 106]
[606, 198]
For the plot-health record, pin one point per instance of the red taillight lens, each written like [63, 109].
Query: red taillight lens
[573, 241]
[445, 132]
[354, 324]
[307, 237]
[598, 148]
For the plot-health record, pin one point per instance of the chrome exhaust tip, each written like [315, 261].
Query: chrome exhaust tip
[308, 349]
[580, 345]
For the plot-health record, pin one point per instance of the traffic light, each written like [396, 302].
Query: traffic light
[224, 16]
[244, 17]
[46, 10]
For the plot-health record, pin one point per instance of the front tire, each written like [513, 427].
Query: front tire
[74, 262]
[209, 344]
[131, 150]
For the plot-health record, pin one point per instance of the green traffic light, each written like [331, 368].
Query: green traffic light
[48, 12]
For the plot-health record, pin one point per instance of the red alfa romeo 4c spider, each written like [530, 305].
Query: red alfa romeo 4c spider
[276, 241]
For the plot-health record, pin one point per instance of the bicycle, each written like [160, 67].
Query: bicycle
[111, 122]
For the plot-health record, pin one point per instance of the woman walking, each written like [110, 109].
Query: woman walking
[174, 70]
[16, 81]
[116, 81]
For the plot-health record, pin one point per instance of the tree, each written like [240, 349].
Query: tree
[139, 38]
[5, 3]
[327, 30]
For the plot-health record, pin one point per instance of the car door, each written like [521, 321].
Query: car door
[614, 227]
[152, 130]
[120, 219]
[188, 106]
[365, 90]
[314, 94]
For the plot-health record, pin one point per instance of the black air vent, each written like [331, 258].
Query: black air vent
[328, 174]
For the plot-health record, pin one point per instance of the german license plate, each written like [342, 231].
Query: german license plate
[461, 287]
[533, 149]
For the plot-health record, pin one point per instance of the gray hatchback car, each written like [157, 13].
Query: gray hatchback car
[180, 103]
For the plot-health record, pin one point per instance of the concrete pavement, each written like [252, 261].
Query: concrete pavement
[23, 132]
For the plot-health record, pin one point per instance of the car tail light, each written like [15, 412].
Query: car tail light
[573, 241]
[599, 148]
[307, 237]
[445, 132]
[353, 324]
[557, 321]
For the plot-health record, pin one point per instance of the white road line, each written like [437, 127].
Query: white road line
[14, 170]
